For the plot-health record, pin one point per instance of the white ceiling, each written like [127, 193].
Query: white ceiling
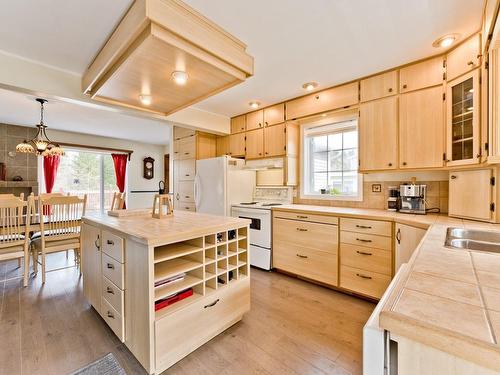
[21, 109]
[292, 41]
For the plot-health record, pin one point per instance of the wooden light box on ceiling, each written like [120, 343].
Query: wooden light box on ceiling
[154, 39]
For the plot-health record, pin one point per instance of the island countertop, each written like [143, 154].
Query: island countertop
[143, 228]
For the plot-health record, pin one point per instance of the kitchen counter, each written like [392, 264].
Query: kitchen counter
[445, 298]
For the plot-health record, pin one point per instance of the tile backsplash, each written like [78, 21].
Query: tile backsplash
[24, 165]
[437, 196]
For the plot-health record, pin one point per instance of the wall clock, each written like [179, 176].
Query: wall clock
[148, 168]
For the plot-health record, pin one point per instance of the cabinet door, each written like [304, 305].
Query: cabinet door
[379, 86]
[206, 146]
[462, 130]
[471, 194]
[238, 124]
[464, 58]
[407, 240]
[255, 120]
[180, 133]
[222, 146]
[237, 144]
[254, 144]
[274, 140]
[378, 134]
[421, 129]
[91, 264]
[274, 115]
[421, 75]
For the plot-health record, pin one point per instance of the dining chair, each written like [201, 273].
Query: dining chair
[14, 231]
[8, 195]
[60, 226]
[118, 202]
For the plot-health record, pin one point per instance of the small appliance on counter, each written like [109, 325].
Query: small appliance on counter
[413, 198]
[393, 199]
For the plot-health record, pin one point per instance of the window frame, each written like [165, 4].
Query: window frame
[305, 159]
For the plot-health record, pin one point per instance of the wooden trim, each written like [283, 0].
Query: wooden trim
[77, 145]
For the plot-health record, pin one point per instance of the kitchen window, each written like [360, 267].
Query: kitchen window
[330, 162]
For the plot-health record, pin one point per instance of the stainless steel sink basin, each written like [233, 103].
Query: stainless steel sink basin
[477, 240]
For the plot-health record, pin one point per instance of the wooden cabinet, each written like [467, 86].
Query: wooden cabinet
[379, 86]
[254, 144]
[91, 264]
[206, 146]
[378, 125]
[336, 97]
[421, 129]
[222, 146]
[471, 194]
[406, 240]
[274, 115]
[180, 132]
[255, 120]
[421, 75]
[185, 148]
[238, 124]
[464, 58]
[463, 111]
[237, 144]
[274, 140]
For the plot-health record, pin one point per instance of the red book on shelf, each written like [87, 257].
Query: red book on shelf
[169, 301]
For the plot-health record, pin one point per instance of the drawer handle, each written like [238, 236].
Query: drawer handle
[363, 276]
[363, 240]
[110, 315]
[470, 63]
[302, 256]
[96, 243]
[363, 253]
[211, 304]
[302, 217]
[302, 229]
[186, 153]
[187, 175]
[363, 226]
[187, 196]
[110, 242]
[109, 290]
[110, 266]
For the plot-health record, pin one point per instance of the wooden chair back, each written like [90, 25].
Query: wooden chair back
[60, 217]
[118, 202]
[7, 196]
[14, 224]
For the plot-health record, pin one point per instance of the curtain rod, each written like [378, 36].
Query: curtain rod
[76, 145]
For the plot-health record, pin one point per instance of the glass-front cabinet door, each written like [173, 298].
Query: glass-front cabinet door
[463, 120]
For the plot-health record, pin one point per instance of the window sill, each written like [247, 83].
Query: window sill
[328, 197]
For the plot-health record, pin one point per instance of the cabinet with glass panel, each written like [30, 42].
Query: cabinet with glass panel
[463, 131]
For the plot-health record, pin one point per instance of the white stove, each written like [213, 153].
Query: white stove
[259, 212]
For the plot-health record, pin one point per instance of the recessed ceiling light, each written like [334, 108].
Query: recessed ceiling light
[445, 41]
[254, 104]
[309, 86]
[180, 77]
[145, 99]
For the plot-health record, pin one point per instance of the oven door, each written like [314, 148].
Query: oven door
[260, 227]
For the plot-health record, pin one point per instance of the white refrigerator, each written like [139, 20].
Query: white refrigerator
[221, 182]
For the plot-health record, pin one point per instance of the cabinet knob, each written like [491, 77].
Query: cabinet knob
[453, 177]
[110, 266]
[390, 89]
[405, 86]
[404, 163]
[390, 164]
[266, 123]
[109, 290]
[470, 63]
[110, 315]
[266, 153]
[109, 242]
[260, 124]
[317, 96]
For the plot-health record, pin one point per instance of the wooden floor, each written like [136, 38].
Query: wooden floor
[293, 328]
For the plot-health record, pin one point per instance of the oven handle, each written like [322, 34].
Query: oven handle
[252, 211]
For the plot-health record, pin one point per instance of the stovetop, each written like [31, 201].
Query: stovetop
[258, 204]
[267, 197]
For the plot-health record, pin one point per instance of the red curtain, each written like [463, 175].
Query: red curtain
[50, 166]
[120, 162]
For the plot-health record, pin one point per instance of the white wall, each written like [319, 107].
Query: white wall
[135, 181]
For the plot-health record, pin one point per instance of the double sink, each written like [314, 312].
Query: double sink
[470, 239]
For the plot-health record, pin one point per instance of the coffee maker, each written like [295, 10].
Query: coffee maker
[412, 198]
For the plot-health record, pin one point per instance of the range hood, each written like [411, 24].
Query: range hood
[264, 164]
[154, 39]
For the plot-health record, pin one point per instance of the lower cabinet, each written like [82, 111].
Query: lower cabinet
[407, 239]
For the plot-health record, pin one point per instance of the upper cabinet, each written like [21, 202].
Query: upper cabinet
[222, 145]
[237, 144]
[275, 140]
[379, 86]
[254, 144]
[255, 120]
[142, 53]
[464, 58]
[238, 124]
[180, 133]
[274, 115]
[463, 143]
[336, 97]
[421, 75]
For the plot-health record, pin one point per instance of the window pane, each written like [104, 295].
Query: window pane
[350, 160]
[319, 162]
[350, 183]
[335, 161]
[335, 141]
[318, 143]
[335, 183]
[319, 182]
[351, 139]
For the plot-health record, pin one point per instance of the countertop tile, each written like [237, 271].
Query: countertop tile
[491, 298]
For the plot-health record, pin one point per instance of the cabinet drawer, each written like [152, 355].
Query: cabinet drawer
[113, 270]
[113, 295]
[179, 333]
[185, 148]
[185, 191]
[306, 262]
[184, 206]
[113, 319]
[306, 217]
[367, 240]
[186, 169]
[112, 245]
[366, 258]
[322, 237]
[365, 282]
[382, 228]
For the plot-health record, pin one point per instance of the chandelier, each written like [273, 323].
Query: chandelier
[40, 144]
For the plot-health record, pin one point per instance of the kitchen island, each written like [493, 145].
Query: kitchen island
[135, 264]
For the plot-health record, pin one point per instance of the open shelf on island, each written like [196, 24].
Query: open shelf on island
[175, 287]
[169, 268]
[176, 250]
[177, 306]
